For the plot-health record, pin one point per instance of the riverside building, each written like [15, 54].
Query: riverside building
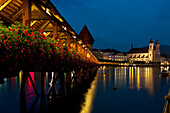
[147, 54]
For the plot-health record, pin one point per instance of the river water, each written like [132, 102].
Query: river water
[113, 90]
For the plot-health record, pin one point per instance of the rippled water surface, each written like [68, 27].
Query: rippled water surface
[113, 90]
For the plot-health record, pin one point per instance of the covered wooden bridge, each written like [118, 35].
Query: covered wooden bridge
[43, 15]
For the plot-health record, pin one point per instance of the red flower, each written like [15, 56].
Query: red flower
[4, 42]
[41, 31]
[29, 34]
[34, 28]
[32, 33]
[8, 37]
[67, 49]
[30, 44]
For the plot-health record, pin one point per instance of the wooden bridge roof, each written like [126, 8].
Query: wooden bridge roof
[43, 15]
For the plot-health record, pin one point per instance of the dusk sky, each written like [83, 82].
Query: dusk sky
[119, 23]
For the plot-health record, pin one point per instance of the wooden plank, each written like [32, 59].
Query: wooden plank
[19, 1]
[5, 14]
[7, 11]
[16, 3]
[5, 5]
[10, 9]
[13, 6]
[4, 18]
[17, 13]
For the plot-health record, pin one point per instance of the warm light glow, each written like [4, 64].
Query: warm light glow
[43, 7]
[79, 42]
[47, 11]
[138, 78]
[74, 37]
[4, 5]
[59, 18]
[88, 55]
[32, 23]
[86, 107]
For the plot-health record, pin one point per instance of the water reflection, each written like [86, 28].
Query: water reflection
[136, 86]
[136, 77]
[87, 106]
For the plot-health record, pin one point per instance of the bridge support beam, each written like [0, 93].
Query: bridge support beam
[68, 85]
[55, 78]
[26, 14]
[25, 76]
[43, 83]
[55, 31]
[62, 84]
[23, 84]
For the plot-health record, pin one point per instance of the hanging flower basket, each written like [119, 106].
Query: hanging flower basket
[23, 48]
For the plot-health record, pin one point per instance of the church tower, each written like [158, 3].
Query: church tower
[151, 49]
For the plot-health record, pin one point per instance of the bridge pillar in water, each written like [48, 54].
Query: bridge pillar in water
[43, 83]
[68, 85]
[62, 83]
[23, 84]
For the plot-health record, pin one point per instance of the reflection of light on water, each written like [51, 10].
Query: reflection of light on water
[138, 78]
[150, 82]
[104, 79]
[89, 97]
[131, 80]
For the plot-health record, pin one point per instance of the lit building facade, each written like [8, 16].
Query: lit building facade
[147, 54]
[98, 53]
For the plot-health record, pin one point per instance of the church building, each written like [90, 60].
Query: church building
[147, 54]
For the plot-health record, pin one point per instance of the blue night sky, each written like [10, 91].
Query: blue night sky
[119, 23]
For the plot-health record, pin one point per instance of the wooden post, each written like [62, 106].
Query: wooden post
[68, 88]
[26, 14]
[55, 78]
[62, 83]
[23, 84]
[79, 73]
[76, 45]
[55, 31]
[68, 76]
[88, 72]
[43, 83]
[68, 40]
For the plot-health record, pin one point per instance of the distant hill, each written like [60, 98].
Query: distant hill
[107, 50]
[165, 50]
